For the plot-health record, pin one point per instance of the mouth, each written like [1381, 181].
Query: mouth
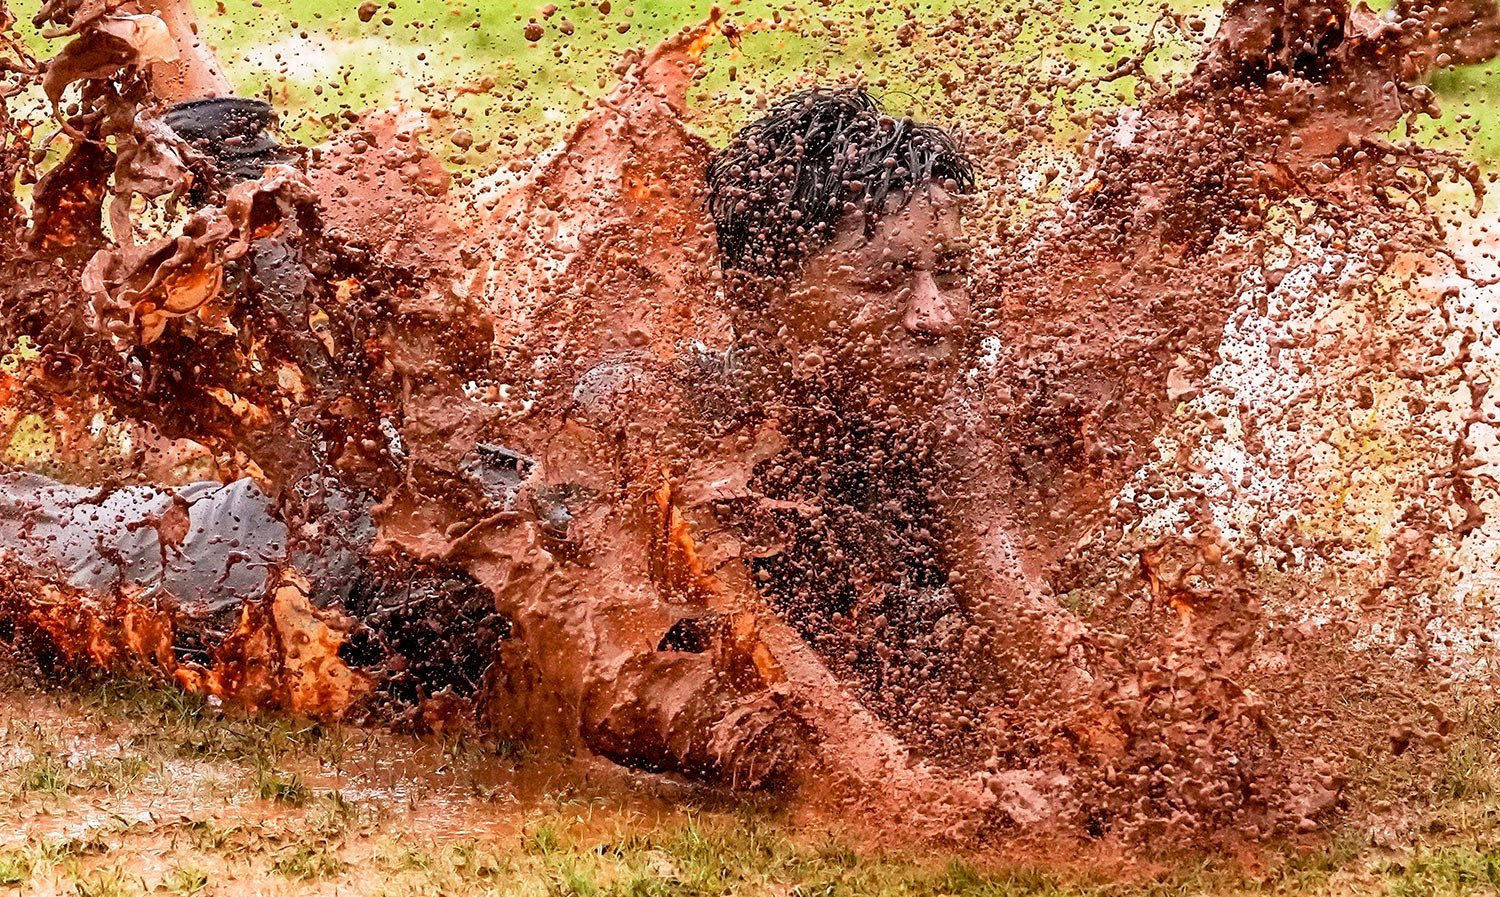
[925, 355]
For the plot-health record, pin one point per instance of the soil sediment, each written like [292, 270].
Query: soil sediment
[490, 404]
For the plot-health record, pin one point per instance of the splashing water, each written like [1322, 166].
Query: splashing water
[1138, 489]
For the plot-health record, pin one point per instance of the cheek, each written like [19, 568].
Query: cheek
[959, 305]
[824, 313]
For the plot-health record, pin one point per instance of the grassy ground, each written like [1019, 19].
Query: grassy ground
[317, 59]
[316, 56]
[125, 789]
[412, 49]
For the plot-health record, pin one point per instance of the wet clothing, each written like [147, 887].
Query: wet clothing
[232, 134]
[232, 548]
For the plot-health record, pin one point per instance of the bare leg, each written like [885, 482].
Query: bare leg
[231, 134]
[196, 73]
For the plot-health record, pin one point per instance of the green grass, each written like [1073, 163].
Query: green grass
[115, 774]
[576, 842]
[15, 867]
[209, 837]
[43, 774]
[283, 788]
[108, 883]
[1444, 871]
[187, 881]
[332, 815]
[192, 729]
[316, 60]
[717, 855]
[308, 864]
[20, 866]
[433, 46]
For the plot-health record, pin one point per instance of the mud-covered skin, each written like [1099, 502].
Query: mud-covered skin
[658, 667]
[375, 368]
[879, 319]
[816, 534]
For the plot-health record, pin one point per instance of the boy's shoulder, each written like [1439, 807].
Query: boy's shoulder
[697, 391]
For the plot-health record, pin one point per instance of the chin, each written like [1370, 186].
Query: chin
[918, 386]
[923, 367]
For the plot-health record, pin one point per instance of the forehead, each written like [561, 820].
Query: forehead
[931, 219]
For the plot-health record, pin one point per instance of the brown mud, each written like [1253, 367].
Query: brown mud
[502, 387]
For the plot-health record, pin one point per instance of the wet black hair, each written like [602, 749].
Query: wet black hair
[779, 189]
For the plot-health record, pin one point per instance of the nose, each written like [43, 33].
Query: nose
[929, 313]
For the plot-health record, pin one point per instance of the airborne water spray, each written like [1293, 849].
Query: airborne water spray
[1214, 466]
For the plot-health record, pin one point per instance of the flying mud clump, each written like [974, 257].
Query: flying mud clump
[1129, 484]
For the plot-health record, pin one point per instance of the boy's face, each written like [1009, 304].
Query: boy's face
[882, 317]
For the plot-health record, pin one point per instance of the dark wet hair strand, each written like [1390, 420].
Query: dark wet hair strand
[779, 189]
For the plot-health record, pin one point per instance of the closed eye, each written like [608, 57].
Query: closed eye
[883, 279]
[951, 269]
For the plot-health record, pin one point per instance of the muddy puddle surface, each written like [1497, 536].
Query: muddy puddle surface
[130, 787]
[1047, 460]
[127, 784]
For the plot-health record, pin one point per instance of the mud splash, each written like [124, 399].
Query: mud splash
[1219, 386]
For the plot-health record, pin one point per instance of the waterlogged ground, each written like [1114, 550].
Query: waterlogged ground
[119, 789]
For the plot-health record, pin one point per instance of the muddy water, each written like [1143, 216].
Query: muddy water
[1165, 528]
